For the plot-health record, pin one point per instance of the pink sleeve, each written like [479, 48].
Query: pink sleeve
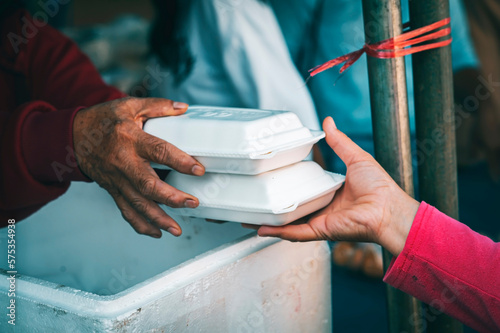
[450, 267]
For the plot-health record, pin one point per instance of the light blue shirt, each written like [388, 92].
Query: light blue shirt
[241, 60]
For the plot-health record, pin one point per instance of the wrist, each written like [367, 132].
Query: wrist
[398, 222]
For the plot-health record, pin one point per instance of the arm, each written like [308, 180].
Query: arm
[65, 134]
[462, 281]
[438, 258]
[47, 80]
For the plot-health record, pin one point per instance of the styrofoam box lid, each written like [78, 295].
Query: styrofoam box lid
[277, 191]
[217, 131]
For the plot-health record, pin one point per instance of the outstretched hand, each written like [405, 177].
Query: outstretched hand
[370, 207]
[114, 151]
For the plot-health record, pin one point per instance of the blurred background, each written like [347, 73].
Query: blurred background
[113, 33]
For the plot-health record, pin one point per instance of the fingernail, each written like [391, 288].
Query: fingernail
[157, 235]
[189, 203]
[330, 122]
[198, 170]
[174, 231]
[329, 126]
[333, 123]
[180, 105]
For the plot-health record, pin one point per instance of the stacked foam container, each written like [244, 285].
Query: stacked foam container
[254, 163]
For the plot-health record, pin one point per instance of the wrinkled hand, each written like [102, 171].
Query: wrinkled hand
[370, 207]
[113, 150]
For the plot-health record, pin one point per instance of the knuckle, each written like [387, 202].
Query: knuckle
[174, 200]
[183, 160]
[157, 221]
[123, 129]
[125, 102]
[139, 205]
[141, 228]
[147, 186]
[161, 151]
[121, 157]
[127, 215]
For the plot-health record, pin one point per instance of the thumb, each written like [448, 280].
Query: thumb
[160, 107]
[345, 148]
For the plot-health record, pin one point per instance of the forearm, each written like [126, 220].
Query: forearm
[47, 144]
[56, 79]
[34, 141]
[452, 268]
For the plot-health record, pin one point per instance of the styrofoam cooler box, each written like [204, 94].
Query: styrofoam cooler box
[83, 269]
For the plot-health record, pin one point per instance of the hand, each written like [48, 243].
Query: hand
[114, 151]
[370, 207]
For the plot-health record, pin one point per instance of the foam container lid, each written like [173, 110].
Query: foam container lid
[213, 133]
[275, 197]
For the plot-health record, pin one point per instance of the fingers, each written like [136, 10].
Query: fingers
[250, 226]
[139, 223]
[345, 148]
[158, 107]
[146, 182]
[146, 210]
[156, 150]
[291, 232]
[118, 158]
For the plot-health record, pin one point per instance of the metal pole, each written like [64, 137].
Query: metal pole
[434, 111]
[391, 131]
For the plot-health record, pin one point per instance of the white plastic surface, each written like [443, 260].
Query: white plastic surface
[240, 141]
[275, 197]
[83, 269]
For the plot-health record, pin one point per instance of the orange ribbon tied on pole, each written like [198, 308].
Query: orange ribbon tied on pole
[394, 47]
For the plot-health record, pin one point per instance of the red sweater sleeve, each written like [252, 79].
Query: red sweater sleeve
[450, 267]
[55, 80]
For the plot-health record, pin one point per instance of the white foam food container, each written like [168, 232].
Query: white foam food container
[275, 197]
[237, 141]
